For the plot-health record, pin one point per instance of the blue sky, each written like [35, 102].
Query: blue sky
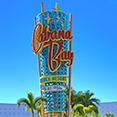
[94, 45]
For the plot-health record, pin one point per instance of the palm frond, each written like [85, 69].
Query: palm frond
[22, 101]
[38, 109]
[88, 95]
[44, 99]
[30, 98]
[93, 108]
[78, 106]
[97, 101]
[37, 99]
[27, 108]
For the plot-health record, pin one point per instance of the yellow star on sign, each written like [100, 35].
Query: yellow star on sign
[56, 8]
[48, 18]
[62, 25]
[58, 18]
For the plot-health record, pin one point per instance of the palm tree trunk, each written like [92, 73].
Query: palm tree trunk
[32, 113]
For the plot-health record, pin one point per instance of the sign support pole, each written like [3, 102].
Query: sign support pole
[69, 105]
[42, 7]
[40, 71]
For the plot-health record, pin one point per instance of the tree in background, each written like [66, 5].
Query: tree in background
[38, 109]
[84, 111]
[93, 114]
[30, 102]
[87, 100]
[110, 115]
[82, 98]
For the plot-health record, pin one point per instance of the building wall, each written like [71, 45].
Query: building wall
[108, 107]
[11, 110]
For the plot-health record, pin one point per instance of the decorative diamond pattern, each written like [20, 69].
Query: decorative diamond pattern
[56, 101]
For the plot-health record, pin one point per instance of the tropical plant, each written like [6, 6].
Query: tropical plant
[93, 114]
[38, 109]
[84, 111]
[87, 100]
[30, 102]
[75, 114]
[82, 98]
[102, 115]
[110, 115]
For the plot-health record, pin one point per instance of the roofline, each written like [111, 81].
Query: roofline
[100, 103]
[108, 102]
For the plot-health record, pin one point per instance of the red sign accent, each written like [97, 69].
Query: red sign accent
[42, 39]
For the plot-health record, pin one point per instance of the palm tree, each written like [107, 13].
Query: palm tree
[86, 100]
[30, 102]
[75, 114]
[77, 98]
[84, 111]
[110, 115]
[38, 109]
[82, 98]
[78, 108]
[96, 115]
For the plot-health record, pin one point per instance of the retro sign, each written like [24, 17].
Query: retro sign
[50, 41]
[43, 38]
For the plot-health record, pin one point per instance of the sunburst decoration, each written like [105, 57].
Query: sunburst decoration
[48, 18]
[56, 8]
[62, 24]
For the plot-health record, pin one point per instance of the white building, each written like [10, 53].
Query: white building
[11, 110]
[108, 107]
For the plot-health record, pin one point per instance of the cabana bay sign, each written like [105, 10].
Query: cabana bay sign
[42, 37]
[51, 41]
